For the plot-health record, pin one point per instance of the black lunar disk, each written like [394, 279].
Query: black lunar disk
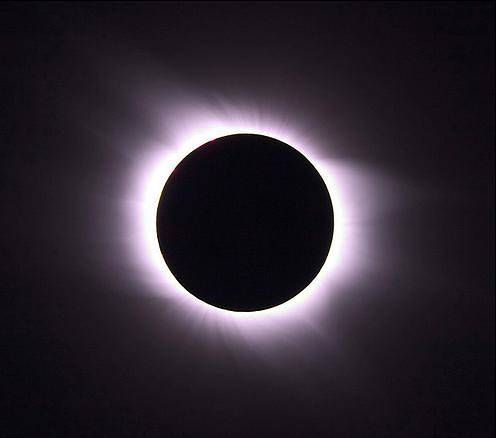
[245, 222]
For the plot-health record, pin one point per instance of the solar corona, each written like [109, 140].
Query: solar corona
[269, 238]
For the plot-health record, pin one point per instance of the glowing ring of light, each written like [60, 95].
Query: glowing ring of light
[151, 178]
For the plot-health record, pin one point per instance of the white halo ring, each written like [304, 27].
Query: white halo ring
[151, 175]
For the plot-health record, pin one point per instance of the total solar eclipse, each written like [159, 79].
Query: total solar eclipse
[245, 222]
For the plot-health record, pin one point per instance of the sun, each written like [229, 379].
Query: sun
[155, 167]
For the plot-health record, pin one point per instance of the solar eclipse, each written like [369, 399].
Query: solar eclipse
[245, 222]
[257, 219]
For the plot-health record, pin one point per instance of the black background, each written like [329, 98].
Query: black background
[406, 89]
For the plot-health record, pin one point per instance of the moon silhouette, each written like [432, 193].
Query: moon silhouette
[245, 222]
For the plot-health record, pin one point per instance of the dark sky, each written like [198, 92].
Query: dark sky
[404, 92]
